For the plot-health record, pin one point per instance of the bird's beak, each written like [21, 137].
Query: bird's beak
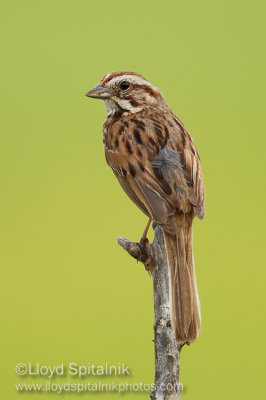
[99, 92]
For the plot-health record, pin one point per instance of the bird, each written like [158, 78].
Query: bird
[157, 164]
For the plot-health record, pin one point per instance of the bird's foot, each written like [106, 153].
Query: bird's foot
[147, 260]
[142, 251]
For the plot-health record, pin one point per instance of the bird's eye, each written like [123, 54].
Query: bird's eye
[124, 85]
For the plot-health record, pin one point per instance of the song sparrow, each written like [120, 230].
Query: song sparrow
[156, 162]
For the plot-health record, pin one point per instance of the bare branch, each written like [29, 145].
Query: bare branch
[167, 353]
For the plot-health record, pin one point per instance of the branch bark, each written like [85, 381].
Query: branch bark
[167, 352]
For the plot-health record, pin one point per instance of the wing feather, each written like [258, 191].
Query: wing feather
[159, 168]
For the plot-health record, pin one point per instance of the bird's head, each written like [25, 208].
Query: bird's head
[125, 91]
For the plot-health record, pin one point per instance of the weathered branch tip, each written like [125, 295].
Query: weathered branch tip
[141, 251]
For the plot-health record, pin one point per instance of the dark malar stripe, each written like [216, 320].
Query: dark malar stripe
[134, 103]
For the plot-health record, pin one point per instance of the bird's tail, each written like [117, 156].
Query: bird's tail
[184, 300]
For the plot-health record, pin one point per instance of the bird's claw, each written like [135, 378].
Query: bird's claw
[147, 249]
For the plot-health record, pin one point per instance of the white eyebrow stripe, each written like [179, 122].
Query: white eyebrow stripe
[137, 79]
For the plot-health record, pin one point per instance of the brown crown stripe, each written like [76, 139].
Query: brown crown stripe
[148, 89]
[126, 124]
[112, 75]
[137, 136]
[116, 143]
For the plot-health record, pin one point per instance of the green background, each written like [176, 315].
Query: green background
[68, 292]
